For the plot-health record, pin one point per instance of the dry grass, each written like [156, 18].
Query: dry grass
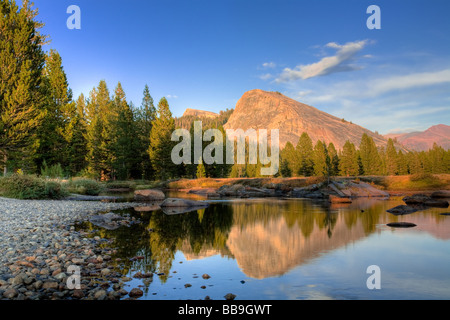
[388, 183]
[411, 182]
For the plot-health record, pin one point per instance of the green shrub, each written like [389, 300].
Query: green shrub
[54, 190]
[120, 185]
[84, 187]
[54, 171]
[20, 186]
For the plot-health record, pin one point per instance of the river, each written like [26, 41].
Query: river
[284, 249]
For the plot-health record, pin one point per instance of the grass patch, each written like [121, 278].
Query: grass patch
[30, 187]
[120, 185]
[84, 186]
[416, 182]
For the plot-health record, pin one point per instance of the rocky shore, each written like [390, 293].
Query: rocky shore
[38, 244]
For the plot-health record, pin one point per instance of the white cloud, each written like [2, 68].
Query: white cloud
[269, 65]
[328, 65]
[266, 76]
[172, 96]
[410, 81]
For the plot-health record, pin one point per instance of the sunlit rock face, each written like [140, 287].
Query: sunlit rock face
[260, 109]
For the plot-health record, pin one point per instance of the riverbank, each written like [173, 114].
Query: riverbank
[38, 244]
[408, 183]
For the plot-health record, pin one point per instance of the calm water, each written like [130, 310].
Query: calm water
[274, 249]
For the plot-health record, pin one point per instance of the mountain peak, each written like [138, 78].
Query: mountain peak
[260, 109]
[199, 113]
[424, 140]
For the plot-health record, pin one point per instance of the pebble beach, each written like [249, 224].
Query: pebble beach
[38, 244]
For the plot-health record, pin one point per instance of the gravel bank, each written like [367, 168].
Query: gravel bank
[38, 243]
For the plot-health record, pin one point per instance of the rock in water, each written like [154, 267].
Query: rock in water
[186, 203]
[149, 195]
[136, 293]
[441, 194]
[402, 209]
[424, 200]
[230, 296]
[401, 225]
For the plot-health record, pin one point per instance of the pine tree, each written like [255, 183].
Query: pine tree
[77, 144]
[99, 118]
[56, 129]
[144, 118]
[21, 78]
[201, 173]
[402, 163]
[446, 162]
[290, 157]
[370, 159]
[391, 159]
[414, 165]
[436, 158]
[123, 141]
[305, 153]
[161, 146]
[334, 159]
[321, 159]
[285, 170]
[348, 164]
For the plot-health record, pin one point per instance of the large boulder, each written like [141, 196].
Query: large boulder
[357, 189]
[205, 192]
[311, 192]
[149, 195]
[241, 191]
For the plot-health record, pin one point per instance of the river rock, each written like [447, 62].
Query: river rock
[149, 195]
[108, 221]
[186, 203]
[136, 293]
[206, 192]
[401, 225]
[402, 209]
[424, 200]
[10, 293]
[230, 296]
[441, 194]
[241, 191]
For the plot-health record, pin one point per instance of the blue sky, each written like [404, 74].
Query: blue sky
[207, 54]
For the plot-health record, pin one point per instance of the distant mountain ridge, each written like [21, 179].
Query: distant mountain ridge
[200, 113]
[424, 140]
[260, 109]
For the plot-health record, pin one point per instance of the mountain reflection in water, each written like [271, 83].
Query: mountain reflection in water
[266, 237]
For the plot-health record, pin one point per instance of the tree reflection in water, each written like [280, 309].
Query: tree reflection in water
[267, 237]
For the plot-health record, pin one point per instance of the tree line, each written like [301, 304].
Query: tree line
[321, 159]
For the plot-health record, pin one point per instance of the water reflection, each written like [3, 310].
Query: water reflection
[267, 238]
